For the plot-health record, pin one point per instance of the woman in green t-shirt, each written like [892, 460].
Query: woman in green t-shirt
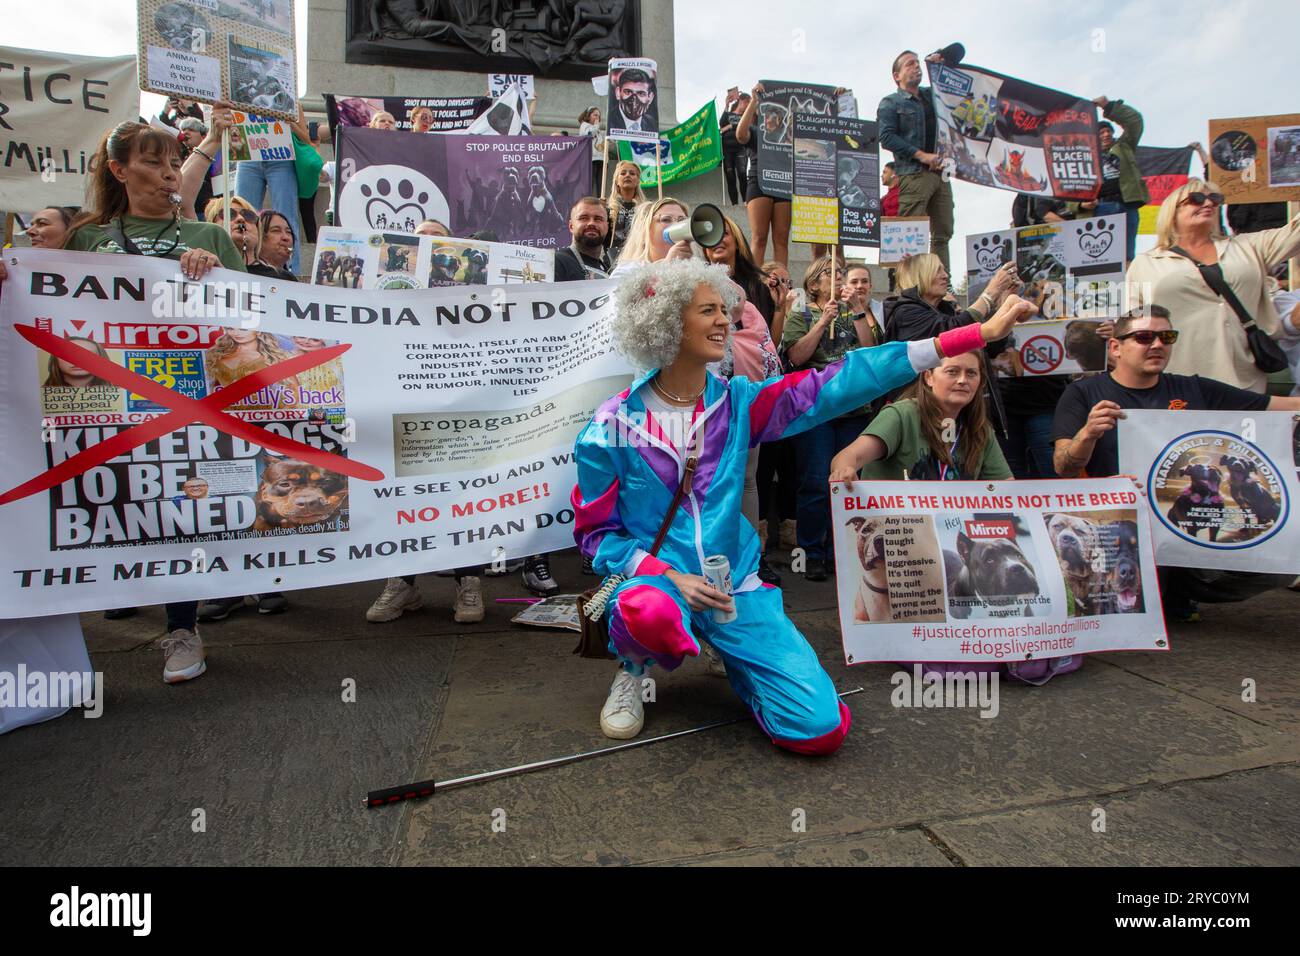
[136, 204]
[135, 208]
[939, 430]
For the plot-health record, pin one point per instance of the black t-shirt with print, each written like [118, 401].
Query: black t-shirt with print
[729, 137]
[1177, 392]
[1110, 191]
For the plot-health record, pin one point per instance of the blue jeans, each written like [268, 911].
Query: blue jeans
[1028, 447]
[816, 447]
[1131, 221]
[252, 180]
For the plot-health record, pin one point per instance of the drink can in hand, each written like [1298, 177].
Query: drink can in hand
[717, 571]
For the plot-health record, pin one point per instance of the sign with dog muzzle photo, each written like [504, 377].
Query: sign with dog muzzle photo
[1221, 486]
[994, 572]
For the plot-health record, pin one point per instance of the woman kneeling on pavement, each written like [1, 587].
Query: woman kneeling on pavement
[677, 420]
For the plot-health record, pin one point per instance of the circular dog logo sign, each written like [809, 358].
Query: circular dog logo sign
[1233, 150]
[1218, 491]
[397, 280]
[1041, 354]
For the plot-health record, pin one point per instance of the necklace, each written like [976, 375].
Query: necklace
[659, 387]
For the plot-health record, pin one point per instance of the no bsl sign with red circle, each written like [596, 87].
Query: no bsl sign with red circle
[1041, 354]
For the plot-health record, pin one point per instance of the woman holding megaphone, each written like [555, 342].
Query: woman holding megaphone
[665, 459]
[646, 241]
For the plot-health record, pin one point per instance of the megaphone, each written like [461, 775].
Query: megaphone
[704, 226]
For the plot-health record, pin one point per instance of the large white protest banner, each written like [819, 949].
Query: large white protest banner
[53, 109]
[994, 571]
[1221, 486]
[167, 440]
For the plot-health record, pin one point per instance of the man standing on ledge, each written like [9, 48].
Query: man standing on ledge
[908, 128]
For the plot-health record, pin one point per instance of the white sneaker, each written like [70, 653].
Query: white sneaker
[623, 715]
[397, 598]
[183, 656]
[469, 601]
[716, 666]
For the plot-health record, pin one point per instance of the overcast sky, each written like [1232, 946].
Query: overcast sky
[1179, 63]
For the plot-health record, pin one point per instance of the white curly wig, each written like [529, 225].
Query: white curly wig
[650, 301]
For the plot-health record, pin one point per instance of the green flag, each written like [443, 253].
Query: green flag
[687, 150]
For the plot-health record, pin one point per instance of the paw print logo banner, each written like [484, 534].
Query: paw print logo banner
[1222, 486]
[1069, 269]
[519, 188]
[168, 440]
[1002, 132]
[995, 572]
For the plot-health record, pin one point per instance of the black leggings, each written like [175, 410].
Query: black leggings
[182, 616]
[777, 483]
[307, 212]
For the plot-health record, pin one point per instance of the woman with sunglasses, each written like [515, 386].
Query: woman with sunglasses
[1212, 339]
[243, 224]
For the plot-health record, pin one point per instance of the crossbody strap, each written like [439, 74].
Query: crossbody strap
[118, 235]
[683, 489]
[1214, 278]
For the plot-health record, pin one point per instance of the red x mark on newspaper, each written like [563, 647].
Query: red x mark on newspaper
[184, 412]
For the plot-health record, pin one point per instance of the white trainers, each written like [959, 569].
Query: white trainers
[183, 656]
[716, 666]
[397, 598]
[469, 601]
[623, 715]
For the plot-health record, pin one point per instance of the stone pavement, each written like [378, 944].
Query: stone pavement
[1186, 772]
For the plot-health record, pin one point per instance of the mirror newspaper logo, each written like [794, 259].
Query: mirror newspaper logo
[991, 529]
[75, 909]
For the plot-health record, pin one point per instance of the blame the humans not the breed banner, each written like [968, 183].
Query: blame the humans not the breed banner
[994, 571]
[167, 440]
[1222, 486]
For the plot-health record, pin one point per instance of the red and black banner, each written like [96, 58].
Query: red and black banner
[1164, 168]
[1006, 133]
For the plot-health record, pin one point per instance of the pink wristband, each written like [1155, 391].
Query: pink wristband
[965, 339]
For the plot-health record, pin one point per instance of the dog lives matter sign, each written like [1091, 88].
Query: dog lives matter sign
[994, 571]
[1222, 486]
[170, 440]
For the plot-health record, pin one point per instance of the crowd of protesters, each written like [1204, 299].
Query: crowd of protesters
[152, 194]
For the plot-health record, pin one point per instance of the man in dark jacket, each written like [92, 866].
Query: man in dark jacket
[908, 129]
